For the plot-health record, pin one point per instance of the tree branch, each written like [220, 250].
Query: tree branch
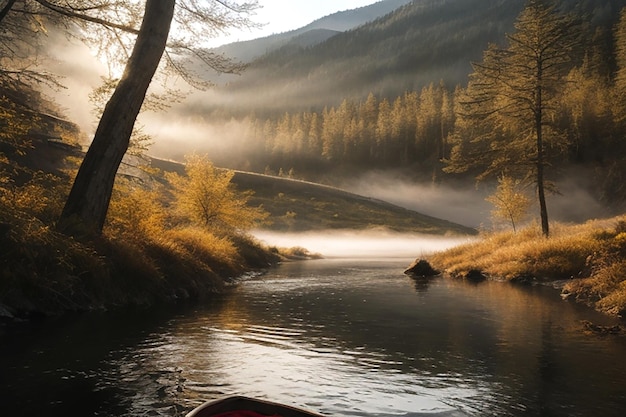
[68, 12]
[7, 8]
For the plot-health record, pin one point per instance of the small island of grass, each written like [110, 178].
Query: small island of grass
[587, 260]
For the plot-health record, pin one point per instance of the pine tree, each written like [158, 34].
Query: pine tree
[511, 98]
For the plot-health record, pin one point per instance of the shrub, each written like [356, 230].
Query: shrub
[204, 245]
[135, 211]
[207, 197]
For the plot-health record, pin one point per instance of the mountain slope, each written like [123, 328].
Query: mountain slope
[323, 28]
[422, 42]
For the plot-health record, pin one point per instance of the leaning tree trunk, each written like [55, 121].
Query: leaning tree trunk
[88, 202]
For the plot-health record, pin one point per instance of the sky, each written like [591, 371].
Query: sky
[279, 16]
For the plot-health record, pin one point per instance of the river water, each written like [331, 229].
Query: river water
[344, 337]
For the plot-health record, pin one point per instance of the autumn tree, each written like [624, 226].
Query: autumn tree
[332, 134]
[91, 193]
[510, 202]
[21, 46]
[207, 197]
[511, 98]
[136, 211]
[383, 130]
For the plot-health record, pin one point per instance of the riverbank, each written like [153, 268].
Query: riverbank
[44, 272]
[48, 273]
[152, 249]
[587, 260]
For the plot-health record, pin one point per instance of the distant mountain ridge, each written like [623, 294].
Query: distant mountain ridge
[420, 42]
[311, 34]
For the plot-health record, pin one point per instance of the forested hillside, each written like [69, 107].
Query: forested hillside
[422, 42]
[386, 96]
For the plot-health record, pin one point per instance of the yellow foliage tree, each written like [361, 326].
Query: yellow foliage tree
[206, 196]
[14, 126]
[510, 202]
[135, 211]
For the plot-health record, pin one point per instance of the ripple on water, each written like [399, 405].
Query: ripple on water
[284, 364]
[359, 342]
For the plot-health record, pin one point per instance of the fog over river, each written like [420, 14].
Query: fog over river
[362, 243]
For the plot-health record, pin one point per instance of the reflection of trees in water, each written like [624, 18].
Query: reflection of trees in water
[421, 283]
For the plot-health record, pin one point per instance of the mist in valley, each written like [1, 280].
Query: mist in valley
[189, 127]
[464, 201]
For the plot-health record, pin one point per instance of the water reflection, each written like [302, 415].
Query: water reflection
[357, 340]
[344, 338]
[421, 283]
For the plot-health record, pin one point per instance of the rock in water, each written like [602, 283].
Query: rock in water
[421, 268]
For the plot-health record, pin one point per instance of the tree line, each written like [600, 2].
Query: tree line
[416, 130]
[375, 133]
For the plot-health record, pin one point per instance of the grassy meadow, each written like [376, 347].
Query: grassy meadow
[588, 259]
[301, 206]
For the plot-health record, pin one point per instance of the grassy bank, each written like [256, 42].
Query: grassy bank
[45, 272]
[148, 253]
[296, 206]
[591, 257]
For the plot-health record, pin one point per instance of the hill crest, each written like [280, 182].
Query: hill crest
[296, 206]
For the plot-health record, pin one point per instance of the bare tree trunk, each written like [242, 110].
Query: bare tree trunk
[88, 202]
[541, 194]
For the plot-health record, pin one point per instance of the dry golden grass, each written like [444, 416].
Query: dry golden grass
[592, 255]
[202, 244]
[526, 254]
[140, 259]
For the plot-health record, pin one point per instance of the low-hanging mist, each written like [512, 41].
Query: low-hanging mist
[363, 244]
[465, 203]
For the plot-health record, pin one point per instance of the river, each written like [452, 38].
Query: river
[344, 337]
